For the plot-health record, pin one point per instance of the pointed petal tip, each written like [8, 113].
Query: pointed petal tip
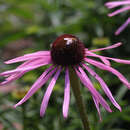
[6, 62]
[100, 119]
[14, 106]
[120, 109]
[65, 116]
[116, 33]
[1, 74]
[41, 114]
[4, 83]
[106, 4]
[1, 84]
[109, 15]
[128, 85]
[110, 110]
[4, 74]
[120, 43]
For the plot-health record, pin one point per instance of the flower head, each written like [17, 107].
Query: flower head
[126, 7]
[66, 51]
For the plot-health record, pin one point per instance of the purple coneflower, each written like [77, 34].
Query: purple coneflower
[67, 51]
[126, 7]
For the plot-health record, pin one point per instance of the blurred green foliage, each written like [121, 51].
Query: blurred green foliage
[39, 22]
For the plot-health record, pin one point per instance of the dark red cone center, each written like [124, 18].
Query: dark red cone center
[67, 50]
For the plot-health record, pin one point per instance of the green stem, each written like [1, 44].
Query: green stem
[75, 84]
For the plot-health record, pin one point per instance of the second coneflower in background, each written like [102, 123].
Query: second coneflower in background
[67, 52]
[126, 7]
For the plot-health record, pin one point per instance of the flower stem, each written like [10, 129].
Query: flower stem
[75, 84]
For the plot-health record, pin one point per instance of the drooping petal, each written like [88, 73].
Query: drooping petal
[108, 58]
[87, 83]
[24, 58]
[32, 66]
[65, 107]
[122, 27]
[107, 48]
[104, 59]
[110, 69]
[119, 11]
[103, 85]
[40, 54]
[97, 106]
[48, 93]
[12, 78]
[16, 76]
[126, 7]
[114, 4]
[119, 60]
[38, 84]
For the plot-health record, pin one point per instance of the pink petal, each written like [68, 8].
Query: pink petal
[66, 94]
[114, 59]
[48, 93]
[122, 27]
[38, 84]
[88, 53]
[119, 11]
[119, 60]
[40, 54]
[97, 106]
[110, 69]
[104, 86]
[12, 78]
[87, 83]
[116, 3]
[34, 65]
[107, 48]
[17, 75]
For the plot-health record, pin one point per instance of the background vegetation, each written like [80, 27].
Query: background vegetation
[31, 25]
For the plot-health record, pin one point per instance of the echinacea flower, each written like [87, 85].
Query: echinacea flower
[126, 7]
[67, 51]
